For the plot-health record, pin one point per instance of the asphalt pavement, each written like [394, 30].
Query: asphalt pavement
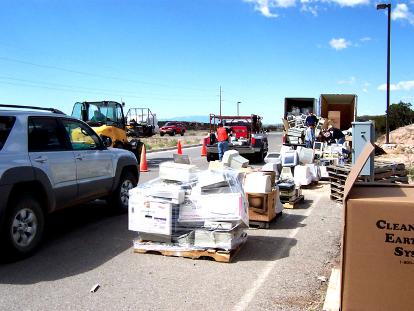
[277, 269]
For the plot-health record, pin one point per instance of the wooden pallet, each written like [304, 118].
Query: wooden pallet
[383, 172]
[310, 186]
[211, 253]
[293, 204]
[332, 298]
[263, 224]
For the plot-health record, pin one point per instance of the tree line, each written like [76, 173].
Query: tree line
[400, 114]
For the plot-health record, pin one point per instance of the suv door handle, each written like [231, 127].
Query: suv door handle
[41, 159]
[79, 157]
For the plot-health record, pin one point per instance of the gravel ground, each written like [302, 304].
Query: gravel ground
[277, 269]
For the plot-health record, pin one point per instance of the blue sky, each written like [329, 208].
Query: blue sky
[173, 55]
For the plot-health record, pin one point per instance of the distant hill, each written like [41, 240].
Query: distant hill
[200, 119]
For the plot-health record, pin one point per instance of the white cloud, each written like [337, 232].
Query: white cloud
[351, 80]
[313, 9]
[365, 39]
[266, 11]
[400, 86]
[350, 3]
[339, 44]
[365, 87]
[265, 6]
[284, 3]
[402, 12]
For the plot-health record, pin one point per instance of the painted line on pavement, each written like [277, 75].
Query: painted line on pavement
[262, 277]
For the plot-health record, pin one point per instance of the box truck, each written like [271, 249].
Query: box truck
[340, 109]
[299, 105]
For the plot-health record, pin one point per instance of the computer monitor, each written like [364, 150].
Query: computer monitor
[290, 158]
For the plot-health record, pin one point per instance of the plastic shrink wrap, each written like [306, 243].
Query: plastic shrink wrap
[203, 209]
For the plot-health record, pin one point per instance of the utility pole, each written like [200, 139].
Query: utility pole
[383, 6]
[387, 120]
[220, 101]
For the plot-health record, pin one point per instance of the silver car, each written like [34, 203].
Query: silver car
[50, 161]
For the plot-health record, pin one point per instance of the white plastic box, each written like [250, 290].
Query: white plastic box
[177, 171]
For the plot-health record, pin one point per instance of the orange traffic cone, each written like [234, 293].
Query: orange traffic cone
[204, 148]
[179, 151]
[143, 162]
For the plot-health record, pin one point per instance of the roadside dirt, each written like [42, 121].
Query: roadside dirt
[403, 151]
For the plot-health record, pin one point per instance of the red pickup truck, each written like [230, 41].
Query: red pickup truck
[172, 128]
[247, 136]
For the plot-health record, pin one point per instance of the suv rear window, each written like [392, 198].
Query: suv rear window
[6, 124]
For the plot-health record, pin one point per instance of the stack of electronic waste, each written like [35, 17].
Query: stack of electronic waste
[295, 128]
[188, 209]
[292, 177]
[296, 135]
[289, 192]
[262, 193]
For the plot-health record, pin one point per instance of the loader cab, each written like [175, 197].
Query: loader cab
[97, 114]
[106, 118]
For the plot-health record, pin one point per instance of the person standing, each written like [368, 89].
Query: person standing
[222, 137]
[311, 121]
[309, 137]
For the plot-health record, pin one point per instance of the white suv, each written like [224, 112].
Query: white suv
[49, 161]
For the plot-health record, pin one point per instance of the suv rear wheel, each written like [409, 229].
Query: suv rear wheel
[259, 156]
[120, 197]
[24, 226]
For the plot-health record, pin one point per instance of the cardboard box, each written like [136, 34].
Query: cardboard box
[148, 216]
[335, 118]
[266, 210]
[378, 244]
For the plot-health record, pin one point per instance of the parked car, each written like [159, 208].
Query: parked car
[172, 128]
[50, 161]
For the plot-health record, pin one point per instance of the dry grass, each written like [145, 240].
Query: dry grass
[159, 142]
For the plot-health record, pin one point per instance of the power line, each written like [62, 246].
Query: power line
[90, 92]
[82, 88]
[98, 75]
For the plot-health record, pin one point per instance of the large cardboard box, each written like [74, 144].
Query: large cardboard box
[378, 244]
[262, 206]
[148, 216]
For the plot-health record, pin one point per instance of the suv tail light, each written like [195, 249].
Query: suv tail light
[253, 141]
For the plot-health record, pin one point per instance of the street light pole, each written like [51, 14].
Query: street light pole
[387, 120]
[383, 6]
[238, 108]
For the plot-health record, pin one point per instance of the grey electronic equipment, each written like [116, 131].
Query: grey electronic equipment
[363, 132]
[181, 158]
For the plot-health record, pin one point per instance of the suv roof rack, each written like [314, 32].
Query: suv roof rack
[34, 107]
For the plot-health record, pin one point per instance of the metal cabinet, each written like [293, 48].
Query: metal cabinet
[363, 132]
